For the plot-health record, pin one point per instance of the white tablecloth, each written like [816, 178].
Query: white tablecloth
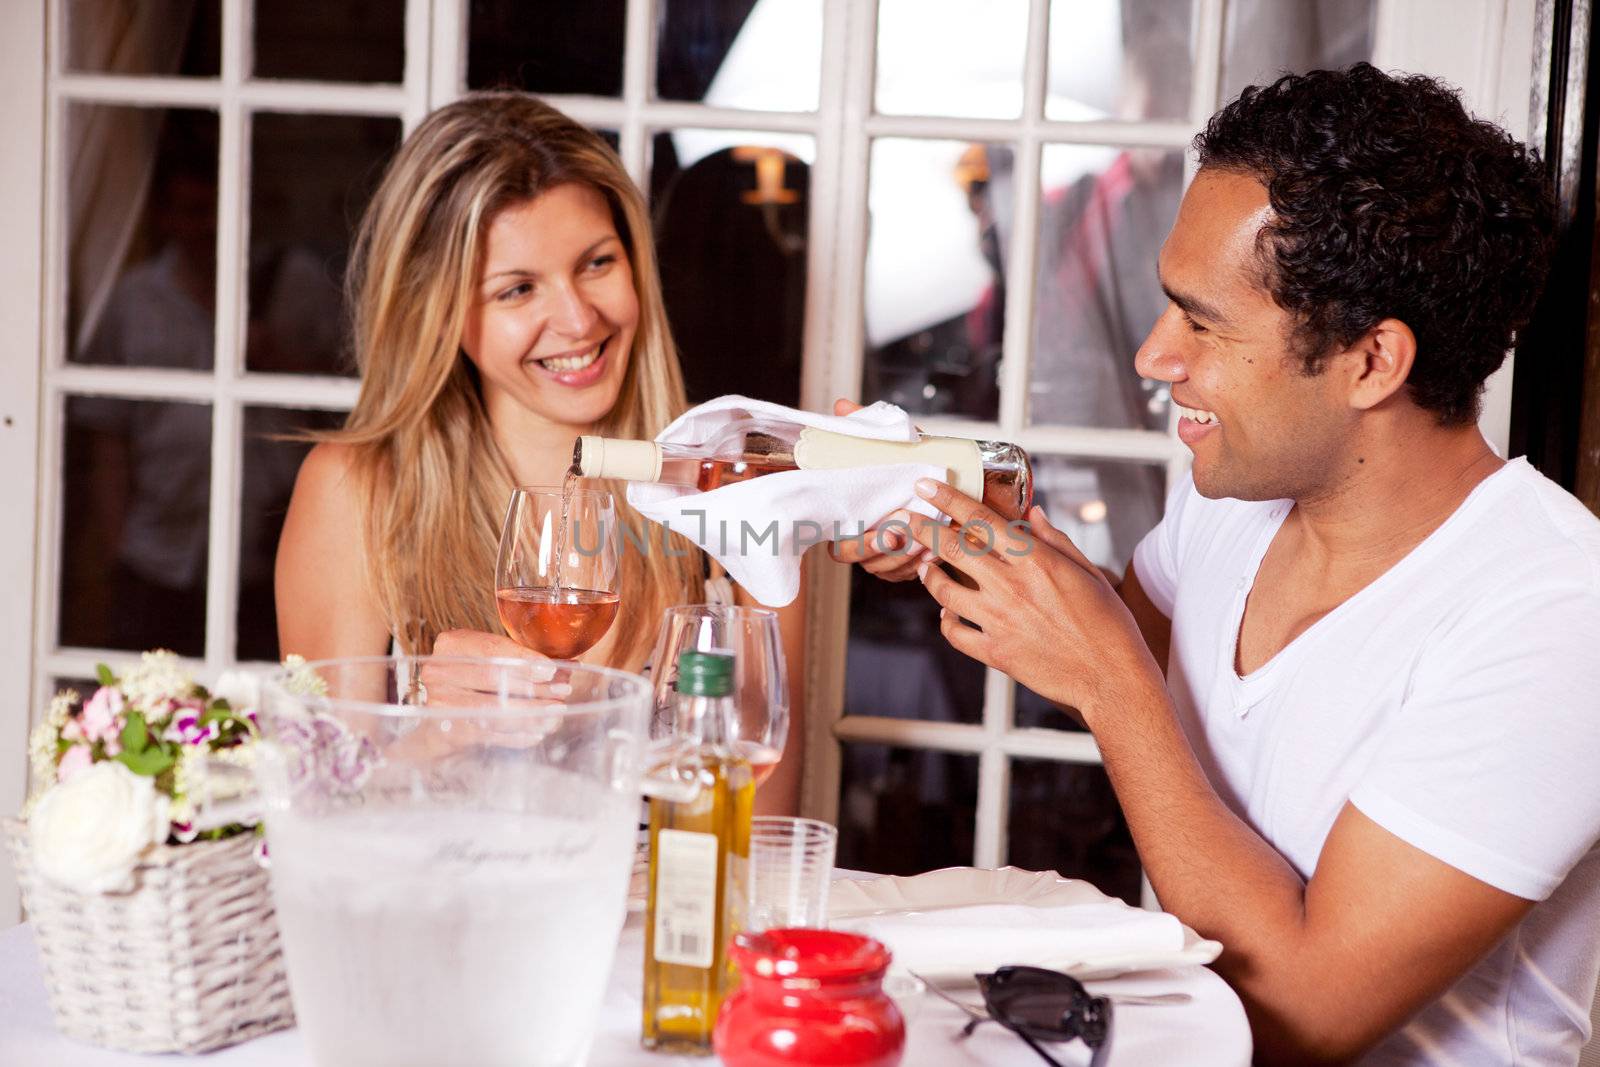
[1209, 1031]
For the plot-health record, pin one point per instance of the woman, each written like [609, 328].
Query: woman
[505, 301]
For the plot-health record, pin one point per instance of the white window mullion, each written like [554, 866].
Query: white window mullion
[994, 771]
[419, 62]
[140, 90]
[233, 242]
[447, 57]
[828, 206]
[855, 151]
[1100, 132]
[81, 663]
[319, 392]
[1067, 746]
[1016, 366]
[1208, 17]
[638, 74]
[273, 95]
[994, 804]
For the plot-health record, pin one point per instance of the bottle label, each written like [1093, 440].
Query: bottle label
[686, 897]
[824, 450]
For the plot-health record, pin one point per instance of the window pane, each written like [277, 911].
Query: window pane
[951, 57]
[1264, 38]
[1106, 506]
[136, 482]
[905, 810]
[1104, 216]
[898, 664]
[84, 687]
[764, 55]
[301, 223]
[179, 37]
[1120, 59]
[732, 210]
[142, 246]
[547, 46]
[1065, 818]
[270, 466]
[316, 40]
[935, 275]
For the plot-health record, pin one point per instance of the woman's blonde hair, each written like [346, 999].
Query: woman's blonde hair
[435, 484]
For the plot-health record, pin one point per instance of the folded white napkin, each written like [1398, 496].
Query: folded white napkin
[980, 938]
[760, 528]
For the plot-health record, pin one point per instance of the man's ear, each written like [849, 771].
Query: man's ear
[1379, 362]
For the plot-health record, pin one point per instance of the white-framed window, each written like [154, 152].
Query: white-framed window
[894, 164]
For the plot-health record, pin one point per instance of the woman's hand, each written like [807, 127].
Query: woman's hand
[479, 643]
[886, 550]
[481, 684]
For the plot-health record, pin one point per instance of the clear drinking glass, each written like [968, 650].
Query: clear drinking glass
[556, 577]
[450, 841]
[791, 864]
[760, 684]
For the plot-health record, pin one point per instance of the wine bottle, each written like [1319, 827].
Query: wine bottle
[995, 472]
[699, 857]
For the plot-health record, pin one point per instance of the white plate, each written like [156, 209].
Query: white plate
[955, 887]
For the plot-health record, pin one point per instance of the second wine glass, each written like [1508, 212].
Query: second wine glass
[760, 682]
[556, 576]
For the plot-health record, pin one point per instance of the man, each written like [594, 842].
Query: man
[1372, 770]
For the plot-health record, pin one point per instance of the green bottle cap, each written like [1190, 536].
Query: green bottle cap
[705, 674]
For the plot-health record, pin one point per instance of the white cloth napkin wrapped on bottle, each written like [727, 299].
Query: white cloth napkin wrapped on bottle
[960, 942]
[758, 529]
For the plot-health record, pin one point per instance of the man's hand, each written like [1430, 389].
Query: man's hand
[1042, 613]
[882, 550]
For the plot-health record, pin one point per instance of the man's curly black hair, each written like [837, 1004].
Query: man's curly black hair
[1391, 201]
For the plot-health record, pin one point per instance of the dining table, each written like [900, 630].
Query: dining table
[1208, 1029]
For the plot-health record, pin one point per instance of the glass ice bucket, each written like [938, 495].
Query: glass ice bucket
[450, 843]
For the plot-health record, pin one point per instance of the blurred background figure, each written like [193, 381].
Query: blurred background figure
[137, 563]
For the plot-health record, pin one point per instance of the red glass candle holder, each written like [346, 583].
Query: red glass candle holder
[809, 997]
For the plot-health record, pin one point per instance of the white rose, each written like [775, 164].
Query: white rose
[88, 832]
[241, 689]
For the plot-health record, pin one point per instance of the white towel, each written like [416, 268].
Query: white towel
[980, 938]
[759, 529]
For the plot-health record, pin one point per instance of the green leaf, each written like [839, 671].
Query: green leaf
[104, 674]
[135, 734]
[62, 744]
[150, 762]
[219, 712]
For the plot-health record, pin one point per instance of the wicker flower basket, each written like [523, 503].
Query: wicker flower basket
[186, 962]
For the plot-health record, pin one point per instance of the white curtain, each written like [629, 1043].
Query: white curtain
[110, 151]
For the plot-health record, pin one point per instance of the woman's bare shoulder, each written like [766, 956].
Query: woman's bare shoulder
[329, 466]
[324, 605]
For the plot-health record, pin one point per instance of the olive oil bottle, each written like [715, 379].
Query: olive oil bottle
[699, 857]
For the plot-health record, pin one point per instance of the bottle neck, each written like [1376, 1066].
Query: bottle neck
[708, 720]
[611, 457]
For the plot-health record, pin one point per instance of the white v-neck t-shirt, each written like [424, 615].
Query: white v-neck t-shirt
[1455, 701]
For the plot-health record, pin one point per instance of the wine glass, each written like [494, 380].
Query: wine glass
[556, 577]
[760, 685]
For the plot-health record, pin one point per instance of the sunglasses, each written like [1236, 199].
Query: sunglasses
[1040, 1005]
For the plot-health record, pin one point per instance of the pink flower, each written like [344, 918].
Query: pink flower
[185, 725]
[75, 760]
[102, 716]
